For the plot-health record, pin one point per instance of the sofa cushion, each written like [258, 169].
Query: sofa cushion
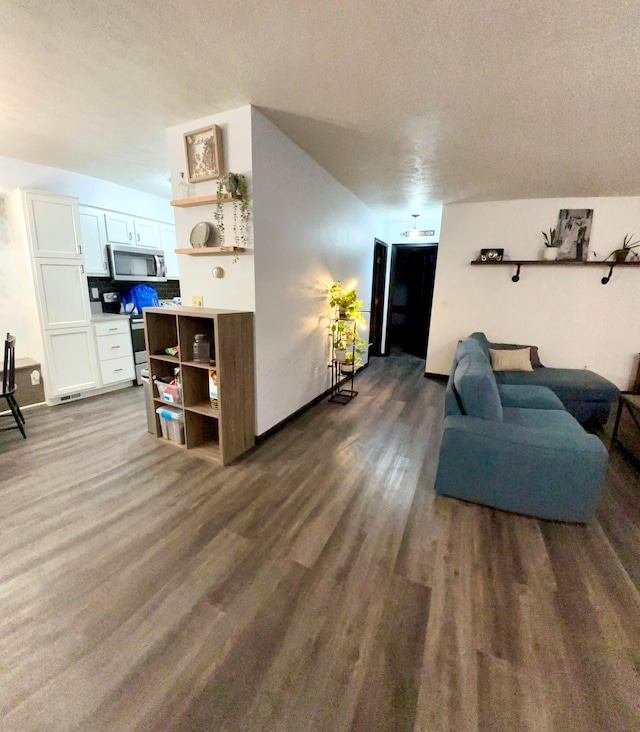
[568, 384]
[533, 352]
[549, 420]
[517, 359]
[468, 345]
[482, 341]
[528, 397]
[477, 388]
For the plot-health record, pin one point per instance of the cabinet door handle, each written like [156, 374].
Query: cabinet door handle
[79, 249]
[82, 268]
[129, 236]
[115, 370]
[112, 347]
[138, 235]
[113, 329]
[105, 266]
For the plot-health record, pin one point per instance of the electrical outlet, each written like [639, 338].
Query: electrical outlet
[197, 301]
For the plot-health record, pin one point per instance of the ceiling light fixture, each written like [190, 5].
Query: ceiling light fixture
[414, 232]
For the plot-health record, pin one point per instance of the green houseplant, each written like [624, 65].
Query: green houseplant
[236, 185]
[551, 243]
[620, 255]
[348, 345]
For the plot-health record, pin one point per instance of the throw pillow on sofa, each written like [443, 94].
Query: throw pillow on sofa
[533, 352]
[477, 388]
[516, 360]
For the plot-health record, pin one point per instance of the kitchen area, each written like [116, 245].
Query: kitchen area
[77, 266]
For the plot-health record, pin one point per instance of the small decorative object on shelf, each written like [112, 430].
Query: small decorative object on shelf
[574, 232]
[624, 253]
[491, 255]
[183, 188]
[551, 243]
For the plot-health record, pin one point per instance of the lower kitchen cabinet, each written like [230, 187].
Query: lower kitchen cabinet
[115, 351]
[71, 361]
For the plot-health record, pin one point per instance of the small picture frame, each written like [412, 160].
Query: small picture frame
[491, 255]
[203, 149]
[574, 232]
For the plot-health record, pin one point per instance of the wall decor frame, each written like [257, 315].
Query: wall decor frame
[203, 148]
[574, 232]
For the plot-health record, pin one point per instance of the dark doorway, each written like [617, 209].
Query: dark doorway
[377, 297]
[413, 270]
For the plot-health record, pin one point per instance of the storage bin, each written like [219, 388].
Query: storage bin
[171, 424]
[171, 393]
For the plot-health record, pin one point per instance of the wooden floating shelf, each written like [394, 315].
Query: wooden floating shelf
[209, 250]
[202, 200]
[561, 263]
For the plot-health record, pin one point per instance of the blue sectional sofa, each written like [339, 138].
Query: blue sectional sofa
[515, 447]
[586, 395]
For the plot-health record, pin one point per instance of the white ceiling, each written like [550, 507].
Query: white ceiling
[406, 102]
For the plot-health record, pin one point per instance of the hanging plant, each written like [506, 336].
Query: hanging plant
[236, 185]
[219, 212]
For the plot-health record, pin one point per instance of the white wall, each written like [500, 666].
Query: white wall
[309, 231]
[236, 290]
[575, 320]
[89, 191]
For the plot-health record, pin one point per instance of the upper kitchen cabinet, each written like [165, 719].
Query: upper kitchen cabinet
[94, 241]
[54, 225]
[168, 241]
[125, 229]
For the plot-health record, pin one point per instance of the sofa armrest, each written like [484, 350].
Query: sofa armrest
[553, 474]
[528, 397]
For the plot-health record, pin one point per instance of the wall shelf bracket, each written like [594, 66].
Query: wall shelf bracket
[606, 279]
[516, 276]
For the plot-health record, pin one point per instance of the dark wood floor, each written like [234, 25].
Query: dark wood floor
[319, 584]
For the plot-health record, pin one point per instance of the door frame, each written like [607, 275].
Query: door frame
[378, 286]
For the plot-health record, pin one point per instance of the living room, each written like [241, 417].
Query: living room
[319, 582]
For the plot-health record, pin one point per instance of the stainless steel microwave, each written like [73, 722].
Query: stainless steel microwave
[134, 264]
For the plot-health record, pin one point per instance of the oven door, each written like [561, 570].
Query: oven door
[132, 264]
[139, 347]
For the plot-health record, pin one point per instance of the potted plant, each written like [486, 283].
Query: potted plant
[236, 185]
[620, 255]
[551, 243]
[348, 346]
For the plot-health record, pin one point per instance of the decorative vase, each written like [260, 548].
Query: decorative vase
[550, 254]
[340, 354]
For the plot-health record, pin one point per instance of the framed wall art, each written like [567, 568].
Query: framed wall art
[203, 148]
[574, 232]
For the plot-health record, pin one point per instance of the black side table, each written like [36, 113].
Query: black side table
[626, 432]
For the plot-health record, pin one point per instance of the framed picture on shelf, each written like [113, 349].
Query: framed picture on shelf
[574, 232]
[203, 148]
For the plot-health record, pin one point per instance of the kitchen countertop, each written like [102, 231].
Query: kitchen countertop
[97, 317]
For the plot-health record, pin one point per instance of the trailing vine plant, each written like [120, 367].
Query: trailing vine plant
[236, 185]
[219, 212]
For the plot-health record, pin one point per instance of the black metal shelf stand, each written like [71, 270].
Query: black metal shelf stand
[342, 372]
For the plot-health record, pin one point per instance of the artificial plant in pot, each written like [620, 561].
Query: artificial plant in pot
[348, 346]
[620, 255]
[236, 185]
[551, 244]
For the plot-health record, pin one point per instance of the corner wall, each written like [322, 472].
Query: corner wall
[575, 320]
[236, 290]
[310, 231]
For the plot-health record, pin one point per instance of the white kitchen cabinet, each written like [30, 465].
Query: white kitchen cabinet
[71, 362]
[115, 351]
[94, 241]
[168, 241]
[62, 293]
[53, 225]
[124, 229]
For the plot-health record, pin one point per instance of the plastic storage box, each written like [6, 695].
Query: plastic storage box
[171, 424]
[171, 393]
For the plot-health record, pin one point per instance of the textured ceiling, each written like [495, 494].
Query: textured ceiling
[406, 103]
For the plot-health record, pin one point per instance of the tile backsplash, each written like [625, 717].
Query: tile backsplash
[166, 290]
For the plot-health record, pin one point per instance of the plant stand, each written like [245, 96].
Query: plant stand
[342, 391]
